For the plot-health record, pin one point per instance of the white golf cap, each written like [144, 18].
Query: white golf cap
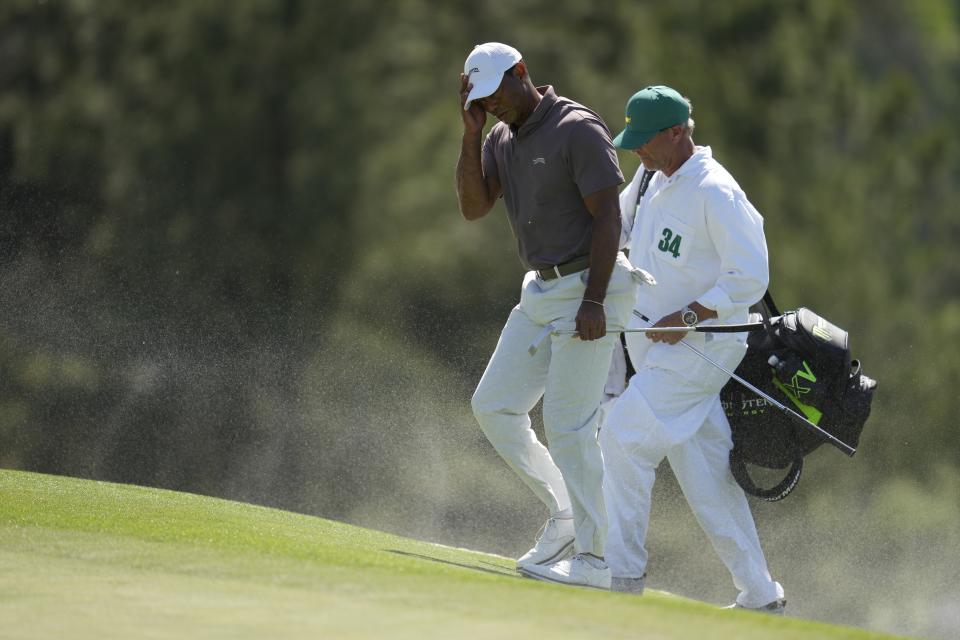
[485, 66]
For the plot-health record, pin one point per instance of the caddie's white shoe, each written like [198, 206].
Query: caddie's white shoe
[775, 608]
[582, 570]
[554, 543]
[628, 585]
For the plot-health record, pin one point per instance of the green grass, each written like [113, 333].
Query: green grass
[82, 559]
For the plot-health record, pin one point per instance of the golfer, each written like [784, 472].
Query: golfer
[695, 231]
[553, 163]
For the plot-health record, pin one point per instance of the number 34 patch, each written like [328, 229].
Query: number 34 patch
[670, 242]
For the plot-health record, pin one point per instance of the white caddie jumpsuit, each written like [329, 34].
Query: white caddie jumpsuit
[703, 241]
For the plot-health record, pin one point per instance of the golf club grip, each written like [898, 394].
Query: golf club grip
[729, 328]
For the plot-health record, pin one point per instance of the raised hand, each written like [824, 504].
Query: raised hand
[475, 117]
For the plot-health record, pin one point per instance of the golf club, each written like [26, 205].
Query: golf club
[710, 328]
[843, 446]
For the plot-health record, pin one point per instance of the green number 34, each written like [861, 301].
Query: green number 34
[670, 243]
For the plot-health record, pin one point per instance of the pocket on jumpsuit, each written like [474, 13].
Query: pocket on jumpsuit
[726, 351]
[673, 242]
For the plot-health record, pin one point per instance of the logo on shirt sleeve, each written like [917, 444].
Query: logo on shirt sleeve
[542, 161]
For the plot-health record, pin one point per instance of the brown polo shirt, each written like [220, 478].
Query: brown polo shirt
[560, 154]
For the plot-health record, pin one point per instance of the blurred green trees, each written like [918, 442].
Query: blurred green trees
[231, 259]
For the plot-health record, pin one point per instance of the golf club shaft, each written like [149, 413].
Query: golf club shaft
[709, 328]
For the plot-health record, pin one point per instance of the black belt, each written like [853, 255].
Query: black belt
[565, 269]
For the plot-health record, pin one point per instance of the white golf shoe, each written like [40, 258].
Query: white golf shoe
[582, 570]
[554, 543]
[775, 608]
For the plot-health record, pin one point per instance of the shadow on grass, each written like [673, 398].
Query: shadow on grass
[496, 570]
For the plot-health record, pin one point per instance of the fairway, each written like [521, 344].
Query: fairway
[83, 559]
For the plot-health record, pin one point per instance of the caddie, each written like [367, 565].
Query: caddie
[554, 165]
[700, 237]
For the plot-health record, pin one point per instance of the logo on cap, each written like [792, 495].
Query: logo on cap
[474, 70]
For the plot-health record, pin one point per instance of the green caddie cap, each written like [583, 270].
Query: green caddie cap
[649, 111]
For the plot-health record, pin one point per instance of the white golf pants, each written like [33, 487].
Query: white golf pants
[569, 374]
[672, 409]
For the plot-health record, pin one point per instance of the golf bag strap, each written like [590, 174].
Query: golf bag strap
[644, 183]
[778, 492]
[769, 306]
[626, 357]
[767, 309]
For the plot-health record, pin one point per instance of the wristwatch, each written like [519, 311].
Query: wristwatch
[689, 316]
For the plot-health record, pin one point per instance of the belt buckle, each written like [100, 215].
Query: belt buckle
[556, 270]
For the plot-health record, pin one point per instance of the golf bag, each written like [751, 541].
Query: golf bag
[802, 361]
